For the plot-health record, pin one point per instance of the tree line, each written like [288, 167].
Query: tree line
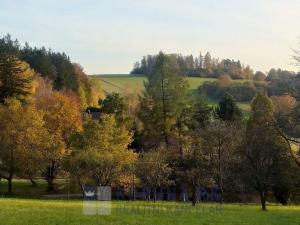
[275, 83]
[164, 137]
[199, 66]
[55, 68]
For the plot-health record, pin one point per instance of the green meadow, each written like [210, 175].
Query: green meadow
[120, 82]
[69, 212]
[31, 206]
[135, 83]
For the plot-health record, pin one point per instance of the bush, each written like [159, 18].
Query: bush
[241, 92]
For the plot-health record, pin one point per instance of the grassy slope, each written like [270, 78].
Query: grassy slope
[63, 212]
[134, 83]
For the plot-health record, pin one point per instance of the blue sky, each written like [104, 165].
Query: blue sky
[109, 36]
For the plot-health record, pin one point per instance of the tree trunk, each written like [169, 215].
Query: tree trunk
[11, 172]
[50, 184]
[220, 173]
[33, 182]
[133, 188]
[50, 176]
[82, 188]
[221, 194]
[263, 200]
[148, 194]
[10, 184]
[154, 195]
[164, 106]
[194, 195]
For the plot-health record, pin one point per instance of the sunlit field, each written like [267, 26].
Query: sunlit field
[67, 212]
[135, 83]
[30, 205]
[131, 83]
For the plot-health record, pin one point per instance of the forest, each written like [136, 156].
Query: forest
[56, 122]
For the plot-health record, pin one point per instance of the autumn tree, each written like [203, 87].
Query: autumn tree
[23, 141]
[284, 103]
[100, 152]
[62, 118]
[89, 90]
[207, 64]
[220, 144]
[153, 170]
[193, 168]
[259, 76]
[225, 81]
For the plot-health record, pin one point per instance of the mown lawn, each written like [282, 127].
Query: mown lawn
[67, 212]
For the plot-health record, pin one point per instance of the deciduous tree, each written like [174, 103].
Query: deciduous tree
[23, 141]
[100, 152]
[153, 170]
[264, 147]
[62, 118]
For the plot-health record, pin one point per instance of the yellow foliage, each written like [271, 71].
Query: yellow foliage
[23, 138]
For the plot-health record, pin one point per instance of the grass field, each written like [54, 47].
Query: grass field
[118, 82]
[132, 83]
[69, 212]
[135, 83]
[32, 208]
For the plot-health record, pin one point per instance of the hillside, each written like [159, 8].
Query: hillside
[131, 83]
[135, 83]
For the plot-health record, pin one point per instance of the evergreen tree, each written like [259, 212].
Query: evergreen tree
[163, 99]
[227, 109]
[200, 61]
[207, 62]
[15, 78]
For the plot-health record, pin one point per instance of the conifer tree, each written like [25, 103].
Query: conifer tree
[163, 100]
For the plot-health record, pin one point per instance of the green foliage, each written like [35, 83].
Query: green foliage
[262, 109]
[15, 78]
[227, 109]
[153, 170]
[199, 66]
[54, 66]
[100, 153]
[114, 104]
[193, 167]
[283, 82]
[240, 91]
[265, 148]
[221, 142]
[202, 115]
[164, 99]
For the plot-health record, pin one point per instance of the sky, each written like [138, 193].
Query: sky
[107, 37]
